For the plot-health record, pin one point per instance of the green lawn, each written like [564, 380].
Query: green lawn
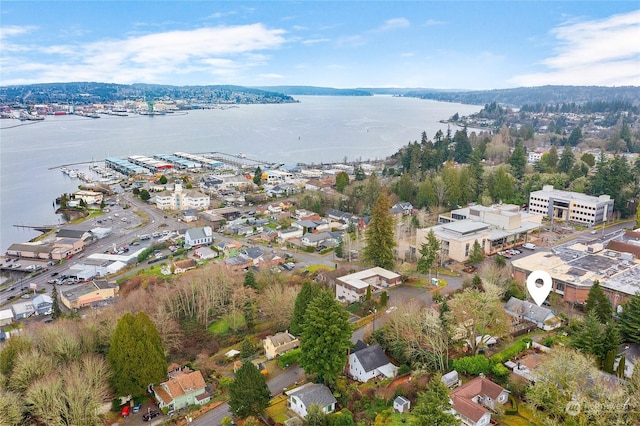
[234, 320]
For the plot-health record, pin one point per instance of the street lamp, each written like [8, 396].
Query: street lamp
[374, 311]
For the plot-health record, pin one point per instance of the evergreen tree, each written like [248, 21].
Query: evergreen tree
[629, 320]
[598, 302]
[518, 161]
[463, 148]
[325, 339]
[342, 180]
[249, 315]
[257, 176]
[428, 253]
[432, 406]
[552, 158]
[247, 349]
[308, 292]
[567, 160]
[595, 338]
[339, 250]
[383, 298]
[163, 180]
[359, 173]
[136, 355]
[367, 295]
[621, 366]
[379, 235]
[248, 393]
[56, 303]
[144, 195]
[477, 254]
[250, 280]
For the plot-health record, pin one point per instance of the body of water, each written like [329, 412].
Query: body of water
[318, 129]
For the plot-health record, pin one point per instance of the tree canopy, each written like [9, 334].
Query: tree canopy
[248, 394]
[136, 355]
[307, 293]
[432, 406]
[379, 235]
[629, 319]
[326, 336]
[598, 302]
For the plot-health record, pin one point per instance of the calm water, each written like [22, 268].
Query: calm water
[318, 129]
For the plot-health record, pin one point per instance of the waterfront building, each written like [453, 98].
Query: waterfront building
[571, 206]
[89, 197]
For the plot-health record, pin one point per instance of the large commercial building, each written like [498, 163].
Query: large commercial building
[86, 294]
[571, 206]
[574, 269]
[495, 228]
[180, 199]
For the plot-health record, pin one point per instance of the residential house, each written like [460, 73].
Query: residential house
[279, 343]
[205, 253]
[270, 260]
[474, 401]
[401, 404]
[339, 216]
[353, 287]
[43, 304]
[311, 226]
[303, 397]
[183, 266]
[328, 278]
[254, 254]
[543, 317]
[6, 317]
[198, 236]
[238, 263]
[401, 209]
[22, 310]
[289, 233]
[184, 388]
[320, 239]
[369, 362]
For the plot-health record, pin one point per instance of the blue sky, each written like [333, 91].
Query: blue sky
[440, 44]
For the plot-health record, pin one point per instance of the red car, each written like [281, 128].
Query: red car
[125, 411]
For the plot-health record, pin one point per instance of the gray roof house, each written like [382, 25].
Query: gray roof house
[370, 362]
[43, 304]
[23, 309]
[543, 317]
[303, 397]
[198, 236]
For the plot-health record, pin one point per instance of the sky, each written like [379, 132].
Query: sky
[473, 45]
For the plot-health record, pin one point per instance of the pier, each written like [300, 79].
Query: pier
[40, 228]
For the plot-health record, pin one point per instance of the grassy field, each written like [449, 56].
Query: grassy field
[223, 325]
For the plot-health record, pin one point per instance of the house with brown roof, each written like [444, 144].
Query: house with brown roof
[474, 401]
[279, 343]
[184, 388]
[183, 266]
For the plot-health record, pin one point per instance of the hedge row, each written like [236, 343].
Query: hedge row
[513, 350]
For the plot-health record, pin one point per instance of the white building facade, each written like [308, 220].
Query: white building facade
[571, 206]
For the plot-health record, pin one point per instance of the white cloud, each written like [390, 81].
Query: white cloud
[315, 41]
[15, 30]
[433, 23]
[407, 54]
[271, 76]
[597, 52]
[151, 57]
[395, 23]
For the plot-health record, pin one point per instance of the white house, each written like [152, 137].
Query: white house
[6, 317]
[23, 310]
[368, 362]
[198, 236]
[303, 397]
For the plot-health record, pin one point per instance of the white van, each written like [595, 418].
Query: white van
[529, 246]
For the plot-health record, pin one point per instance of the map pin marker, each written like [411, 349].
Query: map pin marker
[539, 293]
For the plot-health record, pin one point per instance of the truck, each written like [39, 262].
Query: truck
[529, 246]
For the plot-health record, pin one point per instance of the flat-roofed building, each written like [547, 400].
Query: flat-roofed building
[574, 269]
[89, 197]
[571, 206]
[31, 250]
[353, 287]
[494, 228]
[86, 294]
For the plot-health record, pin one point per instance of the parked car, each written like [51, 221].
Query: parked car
[125, 411]
[529, 246]
[150, 415]
[137, 407]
